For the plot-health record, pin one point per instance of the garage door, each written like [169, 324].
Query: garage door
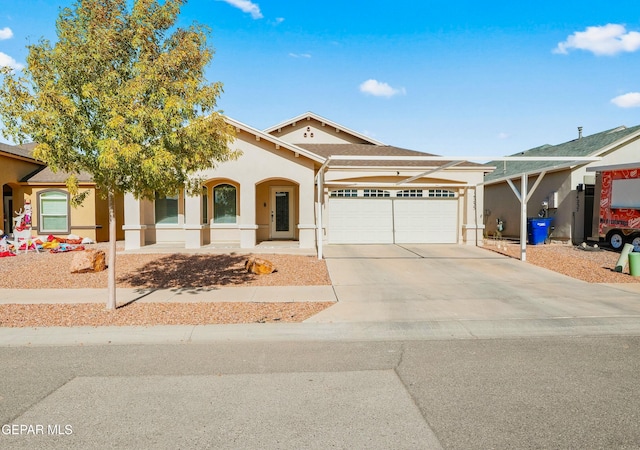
[392, 220]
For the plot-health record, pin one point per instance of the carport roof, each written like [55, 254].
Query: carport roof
[593, 145]
[326, 150]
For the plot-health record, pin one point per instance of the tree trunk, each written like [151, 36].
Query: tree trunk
[111, 300]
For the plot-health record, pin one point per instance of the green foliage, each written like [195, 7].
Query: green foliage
[121, 95]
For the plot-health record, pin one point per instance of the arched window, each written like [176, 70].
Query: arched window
[53, 209]
[224, 203]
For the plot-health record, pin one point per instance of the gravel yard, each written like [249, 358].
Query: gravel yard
[182, 270]
[587, 265]
[160, 271]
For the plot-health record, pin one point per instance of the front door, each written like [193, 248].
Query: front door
[282, 217]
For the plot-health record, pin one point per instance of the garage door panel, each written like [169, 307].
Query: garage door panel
[360, 221]
[389, 220]
[425, 221]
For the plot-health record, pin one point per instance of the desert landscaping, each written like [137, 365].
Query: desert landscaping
[183, 271]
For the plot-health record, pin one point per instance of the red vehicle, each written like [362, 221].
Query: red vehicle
[619, 219]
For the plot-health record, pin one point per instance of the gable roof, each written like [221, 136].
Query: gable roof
[278, 142]
[593, 145]
[310, 115]
[22, 151]
[326, 150]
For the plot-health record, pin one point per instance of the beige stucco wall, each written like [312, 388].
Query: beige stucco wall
[260, 166]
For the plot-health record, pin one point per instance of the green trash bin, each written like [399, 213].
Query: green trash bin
[634, 264]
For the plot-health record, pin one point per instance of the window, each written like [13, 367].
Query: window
[441, 193]
[410, 193]
[167, 210]
[54, 212]
[376, 193]
[345, 193]
[224, 204]
[205, 205]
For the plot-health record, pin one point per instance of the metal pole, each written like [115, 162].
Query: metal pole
[523, 217]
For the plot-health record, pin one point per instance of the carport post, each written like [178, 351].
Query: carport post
[523, 217]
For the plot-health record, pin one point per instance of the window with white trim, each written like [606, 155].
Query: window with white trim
[410, 193]
[53, 207]
[440, 193]
[344, 193]
[376, 193]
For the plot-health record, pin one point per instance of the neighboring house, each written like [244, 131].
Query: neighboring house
[25, 179]
[566, 189]
[272, 193]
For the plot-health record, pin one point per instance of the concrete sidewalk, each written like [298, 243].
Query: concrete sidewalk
[178, 295]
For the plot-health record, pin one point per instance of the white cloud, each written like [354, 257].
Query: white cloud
[630, 100]
[246, 6]
[8, 61]
[380, 89]
[300, 55]
[503, 135]
[609, 39]
[279, 20]
[6, 33]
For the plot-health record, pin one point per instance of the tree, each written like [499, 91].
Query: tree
[121, 95]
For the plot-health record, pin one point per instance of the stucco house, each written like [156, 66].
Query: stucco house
[25, 179]
[566, 190]
[310, 181]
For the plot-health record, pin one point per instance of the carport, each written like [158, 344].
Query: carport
[385, 225]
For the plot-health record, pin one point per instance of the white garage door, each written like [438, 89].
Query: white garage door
[392, 220]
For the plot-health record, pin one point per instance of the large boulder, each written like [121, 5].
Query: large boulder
[88, 261]
[259, 266]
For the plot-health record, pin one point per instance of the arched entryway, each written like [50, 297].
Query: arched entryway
[277, 210]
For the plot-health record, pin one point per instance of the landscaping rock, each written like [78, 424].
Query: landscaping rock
[88, 261]
[259, 266]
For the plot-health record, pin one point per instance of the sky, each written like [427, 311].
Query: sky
[448, 77]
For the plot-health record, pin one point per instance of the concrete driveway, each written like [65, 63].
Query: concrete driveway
[394, 283]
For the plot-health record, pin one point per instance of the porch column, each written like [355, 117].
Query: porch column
[134, 228]
[306, 225]
[248, 227]
[193, 221]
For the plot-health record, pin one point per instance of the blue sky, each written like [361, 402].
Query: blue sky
[449, 77]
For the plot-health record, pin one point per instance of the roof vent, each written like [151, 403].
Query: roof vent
[579, 132]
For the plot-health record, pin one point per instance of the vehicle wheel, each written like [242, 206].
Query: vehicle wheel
[615, 239]
[635, 241]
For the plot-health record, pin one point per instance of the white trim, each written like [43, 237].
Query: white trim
[134, 227]
[635, 165]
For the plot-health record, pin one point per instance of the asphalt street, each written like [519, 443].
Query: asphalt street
[426, 347]
[557, 392]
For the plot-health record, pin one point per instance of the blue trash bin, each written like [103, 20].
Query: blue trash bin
[538, 230]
